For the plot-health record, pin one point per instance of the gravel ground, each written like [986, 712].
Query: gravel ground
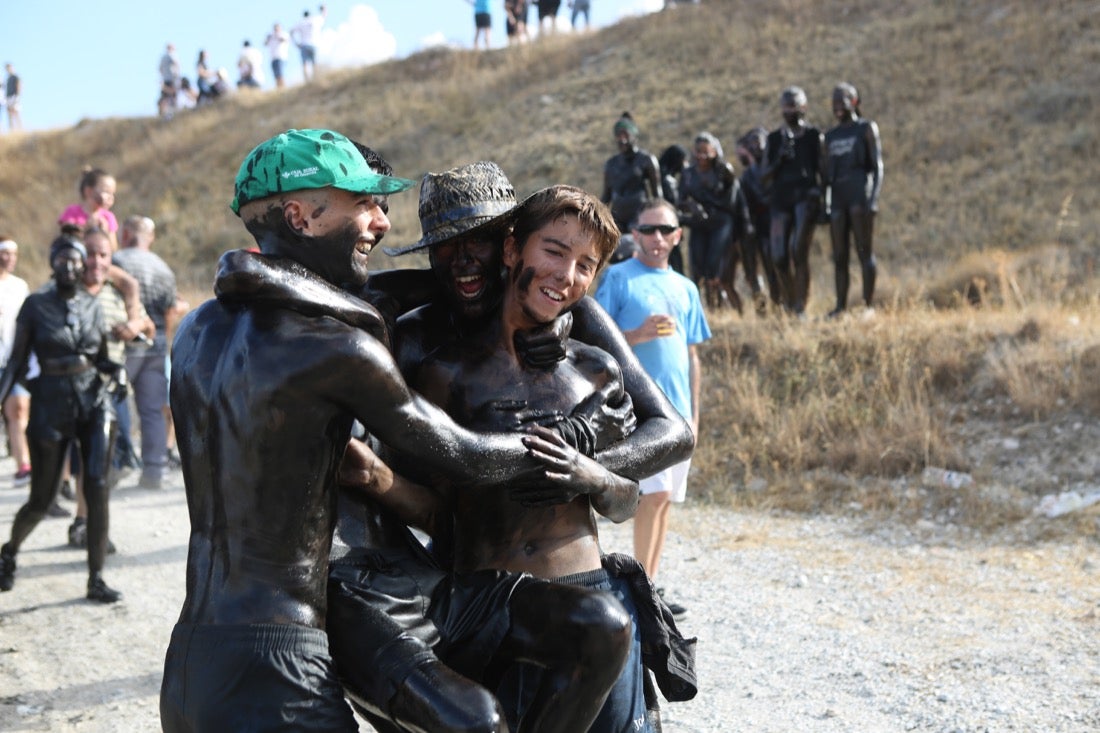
[804, 623]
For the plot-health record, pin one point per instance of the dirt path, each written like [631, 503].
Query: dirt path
[817, 624]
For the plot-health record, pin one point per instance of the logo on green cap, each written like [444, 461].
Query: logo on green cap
[297, 160]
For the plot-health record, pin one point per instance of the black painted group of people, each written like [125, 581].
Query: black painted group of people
[322, 410]
[792, 179]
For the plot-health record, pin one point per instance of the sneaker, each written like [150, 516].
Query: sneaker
[7, 570]
[150, 482]
[78, 536]
[68, 489]
[679, 612]
[56, 510]
[119, 474]
[22, 476]
[100, 592]
[174, 460]
[78, 533]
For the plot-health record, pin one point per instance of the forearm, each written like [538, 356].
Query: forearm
[619, 499]
[363, 472]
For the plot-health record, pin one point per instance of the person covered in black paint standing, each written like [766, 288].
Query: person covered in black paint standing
[64, 326]
[792, 172]
[853, 175]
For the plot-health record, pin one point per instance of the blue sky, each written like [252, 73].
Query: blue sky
[80, 59]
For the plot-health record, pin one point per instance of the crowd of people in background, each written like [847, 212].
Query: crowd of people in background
[178, 92]
[75, 353]
[791, 180]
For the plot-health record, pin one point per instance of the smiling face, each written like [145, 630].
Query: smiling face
[68, 268]
[335, 232]
[549, 272]
[99, 259]
[468, 268]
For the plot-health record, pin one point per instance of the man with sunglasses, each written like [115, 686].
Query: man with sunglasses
[660, 314]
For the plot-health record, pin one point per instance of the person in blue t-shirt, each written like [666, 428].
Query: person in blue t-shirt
[661, 315]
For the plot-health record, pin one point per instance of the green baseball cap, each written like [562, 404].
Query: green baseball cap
[297, 160]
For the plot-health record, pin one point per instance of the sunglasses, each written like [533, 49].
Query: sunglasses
[664, 229]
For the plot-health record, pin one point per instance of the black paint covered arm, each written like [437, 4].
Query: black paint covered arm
[662, 437]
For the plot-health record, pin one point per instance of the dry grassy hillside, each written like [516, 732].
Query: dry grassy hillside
[987, 113]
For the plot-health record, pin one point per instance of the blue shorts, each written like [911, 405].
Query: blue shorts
[277, 68]
[309, 53]
[625, 708]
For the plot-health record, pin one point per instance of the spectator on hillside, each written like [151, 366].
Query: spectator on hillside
[305, 35]
[205, 76]
[13, 90]
[169, 82]
[278, 48]
[515, 21]
[250, 66]
[13, 291]
[580, 7]
[792, 173]
[186, 97]
[548, 17]
[483, 21]
[146, 364]
[853, 174]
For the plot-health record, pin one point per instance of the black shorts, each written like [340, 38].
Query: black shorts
[483, 20]
[548, 8]
[387, 614]
[269, 677]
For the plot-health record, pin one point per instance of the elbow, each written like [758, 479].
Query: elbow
[684, 442]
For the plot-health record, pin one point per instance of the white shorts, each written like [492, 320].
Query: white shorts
[673, 479]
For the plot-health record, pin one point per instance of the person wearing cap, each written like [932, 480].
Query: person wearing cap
[629, 177]
[853, 174]
[63, 324]
[264, 398]
[13, 291]
[792, 174]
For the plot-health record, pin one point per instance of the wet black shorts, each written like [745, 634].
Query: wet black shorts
[483, 20]
[387, 614]
[259, 677]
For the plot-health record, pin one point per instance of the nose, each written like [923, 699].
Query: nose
[379, 222]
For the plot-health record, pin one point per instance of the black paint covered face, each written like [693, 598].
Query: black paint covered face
[68, 268]
[469, 268]
[843, 106]
[792, 113]
[338, 235]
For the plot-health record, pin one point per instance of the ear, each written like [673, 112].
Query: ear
[511, 251]
[296, 216]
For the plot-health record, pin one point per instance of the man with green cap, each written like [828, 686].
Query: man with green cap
[264, 399]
